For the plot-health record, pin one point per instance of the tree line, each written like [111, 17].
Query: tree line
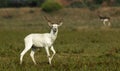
[75, 3]
[20, 3]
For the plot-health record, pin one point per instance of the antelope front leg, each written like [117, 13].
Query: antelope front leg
[48, 54]
[109, 24]
[53, 50]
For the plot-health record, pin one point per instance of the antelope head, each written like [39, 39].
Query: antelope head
[54, 26]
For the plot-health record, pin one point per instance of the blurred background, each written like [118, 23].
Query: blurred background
[81, 11]
[66, 3]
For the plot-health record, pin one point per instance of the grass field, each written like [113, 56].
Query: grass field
[83, 43]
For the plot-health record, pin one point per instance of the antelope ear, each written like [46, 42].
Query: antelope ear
[49, 23]
[60, 24]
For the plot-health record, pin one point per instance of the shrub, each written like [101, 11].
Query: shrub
[50, 6]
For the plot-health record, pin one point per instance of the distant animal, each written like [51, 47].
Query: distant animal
[45, 40]
[105, 20]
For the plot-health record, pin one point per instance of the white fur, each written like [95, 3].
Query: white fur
[106, 20]
[41, 40]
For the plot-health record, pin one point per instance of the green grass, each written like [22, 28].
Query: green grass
[83, 43]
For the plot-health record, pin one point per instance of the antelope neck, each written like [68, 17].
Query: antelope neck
[53, 35]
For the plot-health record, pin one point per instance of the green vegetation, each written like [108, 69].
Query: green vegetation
[50, 6]
[83, 43]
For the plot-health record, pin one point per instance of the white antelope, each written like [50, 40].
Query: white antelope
[105, 19]
[45, 40]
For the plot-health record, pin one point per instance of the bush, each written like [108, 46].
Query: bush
[50, 6]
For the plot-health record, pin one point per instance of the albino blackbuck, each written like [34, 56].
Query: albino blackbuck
[45, 40]
[105, 20]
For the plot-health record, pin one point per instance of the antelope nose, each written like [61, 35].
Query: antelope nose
[54, 29]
